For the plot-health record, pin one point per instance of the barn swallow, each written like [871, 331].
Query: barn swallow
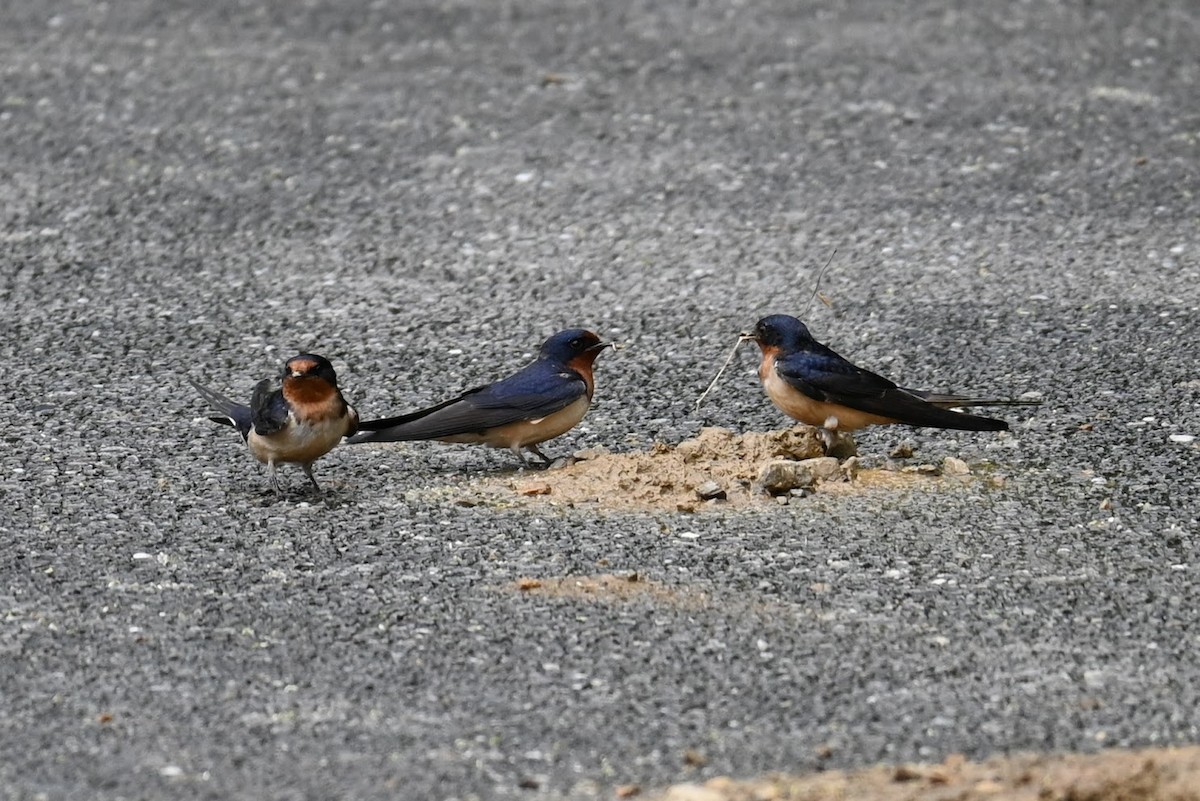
[541, 401]
[809, 382]
[301, 422]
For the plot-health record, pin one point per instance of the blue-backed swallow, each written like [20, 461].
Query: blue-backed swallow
[809, 382]
[541, 401]
[300, 422]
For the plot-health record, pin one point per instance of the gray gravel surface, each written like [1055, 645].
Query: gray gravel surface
[422, 192]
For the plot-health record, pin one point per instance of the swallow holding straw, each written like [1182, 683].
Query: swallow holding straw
[811, 383]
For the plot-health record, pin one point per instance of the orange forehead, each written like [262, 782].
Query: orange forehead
[302, 365]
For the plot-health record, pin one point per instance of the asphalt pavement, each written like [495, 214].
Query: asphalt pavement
[422, 192]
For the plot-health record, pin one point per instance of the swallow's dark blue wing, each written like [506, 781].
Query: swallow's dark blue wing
[825, 376]
[268, 409]
[232, 413]
[533, 393]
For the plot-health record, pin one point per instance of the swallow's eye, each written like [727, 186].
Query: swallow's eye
[576, 343]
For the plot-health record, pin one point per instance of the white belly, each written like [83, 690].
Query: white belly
[297, 442]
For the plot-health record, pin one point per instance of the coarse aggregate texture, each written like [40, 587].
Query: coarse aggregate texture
[424, 191]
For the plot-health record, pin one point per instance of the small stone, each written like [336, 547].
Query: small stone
[710, 490]
[527, 584]
[561, 462]
[906, 773]
[850, 468]
[825, 467]
[693, 792]
[824, 751]
[628, 790]
[923, 469]
[782, 475]
[904, 450]
[591, 453]
[538, 488]
[694, 758]
[955, 467]
[1182, 439]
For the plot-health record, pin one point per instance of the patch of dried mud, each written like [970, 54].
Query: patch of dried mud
[666, 477]
[610, 588]
[1152, 774]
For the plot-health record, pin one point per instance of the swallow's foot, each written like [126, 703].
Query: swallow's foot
[828, 432]
[546, 460]
[275, 481]
[316, 488]
[834, 443]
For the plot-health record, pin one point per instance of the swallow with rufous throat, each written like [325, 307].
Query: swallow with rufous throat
[300, 422]
[811, 383]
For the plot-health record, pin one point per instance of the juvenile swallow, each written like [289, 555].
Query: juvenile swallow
[809, 382]
[541, 401]
[300, 422]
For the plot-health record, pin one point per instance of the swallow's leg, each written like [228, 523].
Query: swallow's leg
[307, 468]
[828, 433]
[546, 460]
[517, 450]
[275, 479]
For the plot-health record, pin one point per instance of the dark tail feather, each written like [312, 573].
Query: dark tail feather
[966, 422]
[378, 430]
[952, 401]
[385, 428]
[232, 413]
[905, 407]
[400, 419]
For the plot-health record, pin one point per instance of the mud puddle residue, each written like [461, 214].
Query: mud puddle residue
[1150, 774]
[610, 588]
[673, 478]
